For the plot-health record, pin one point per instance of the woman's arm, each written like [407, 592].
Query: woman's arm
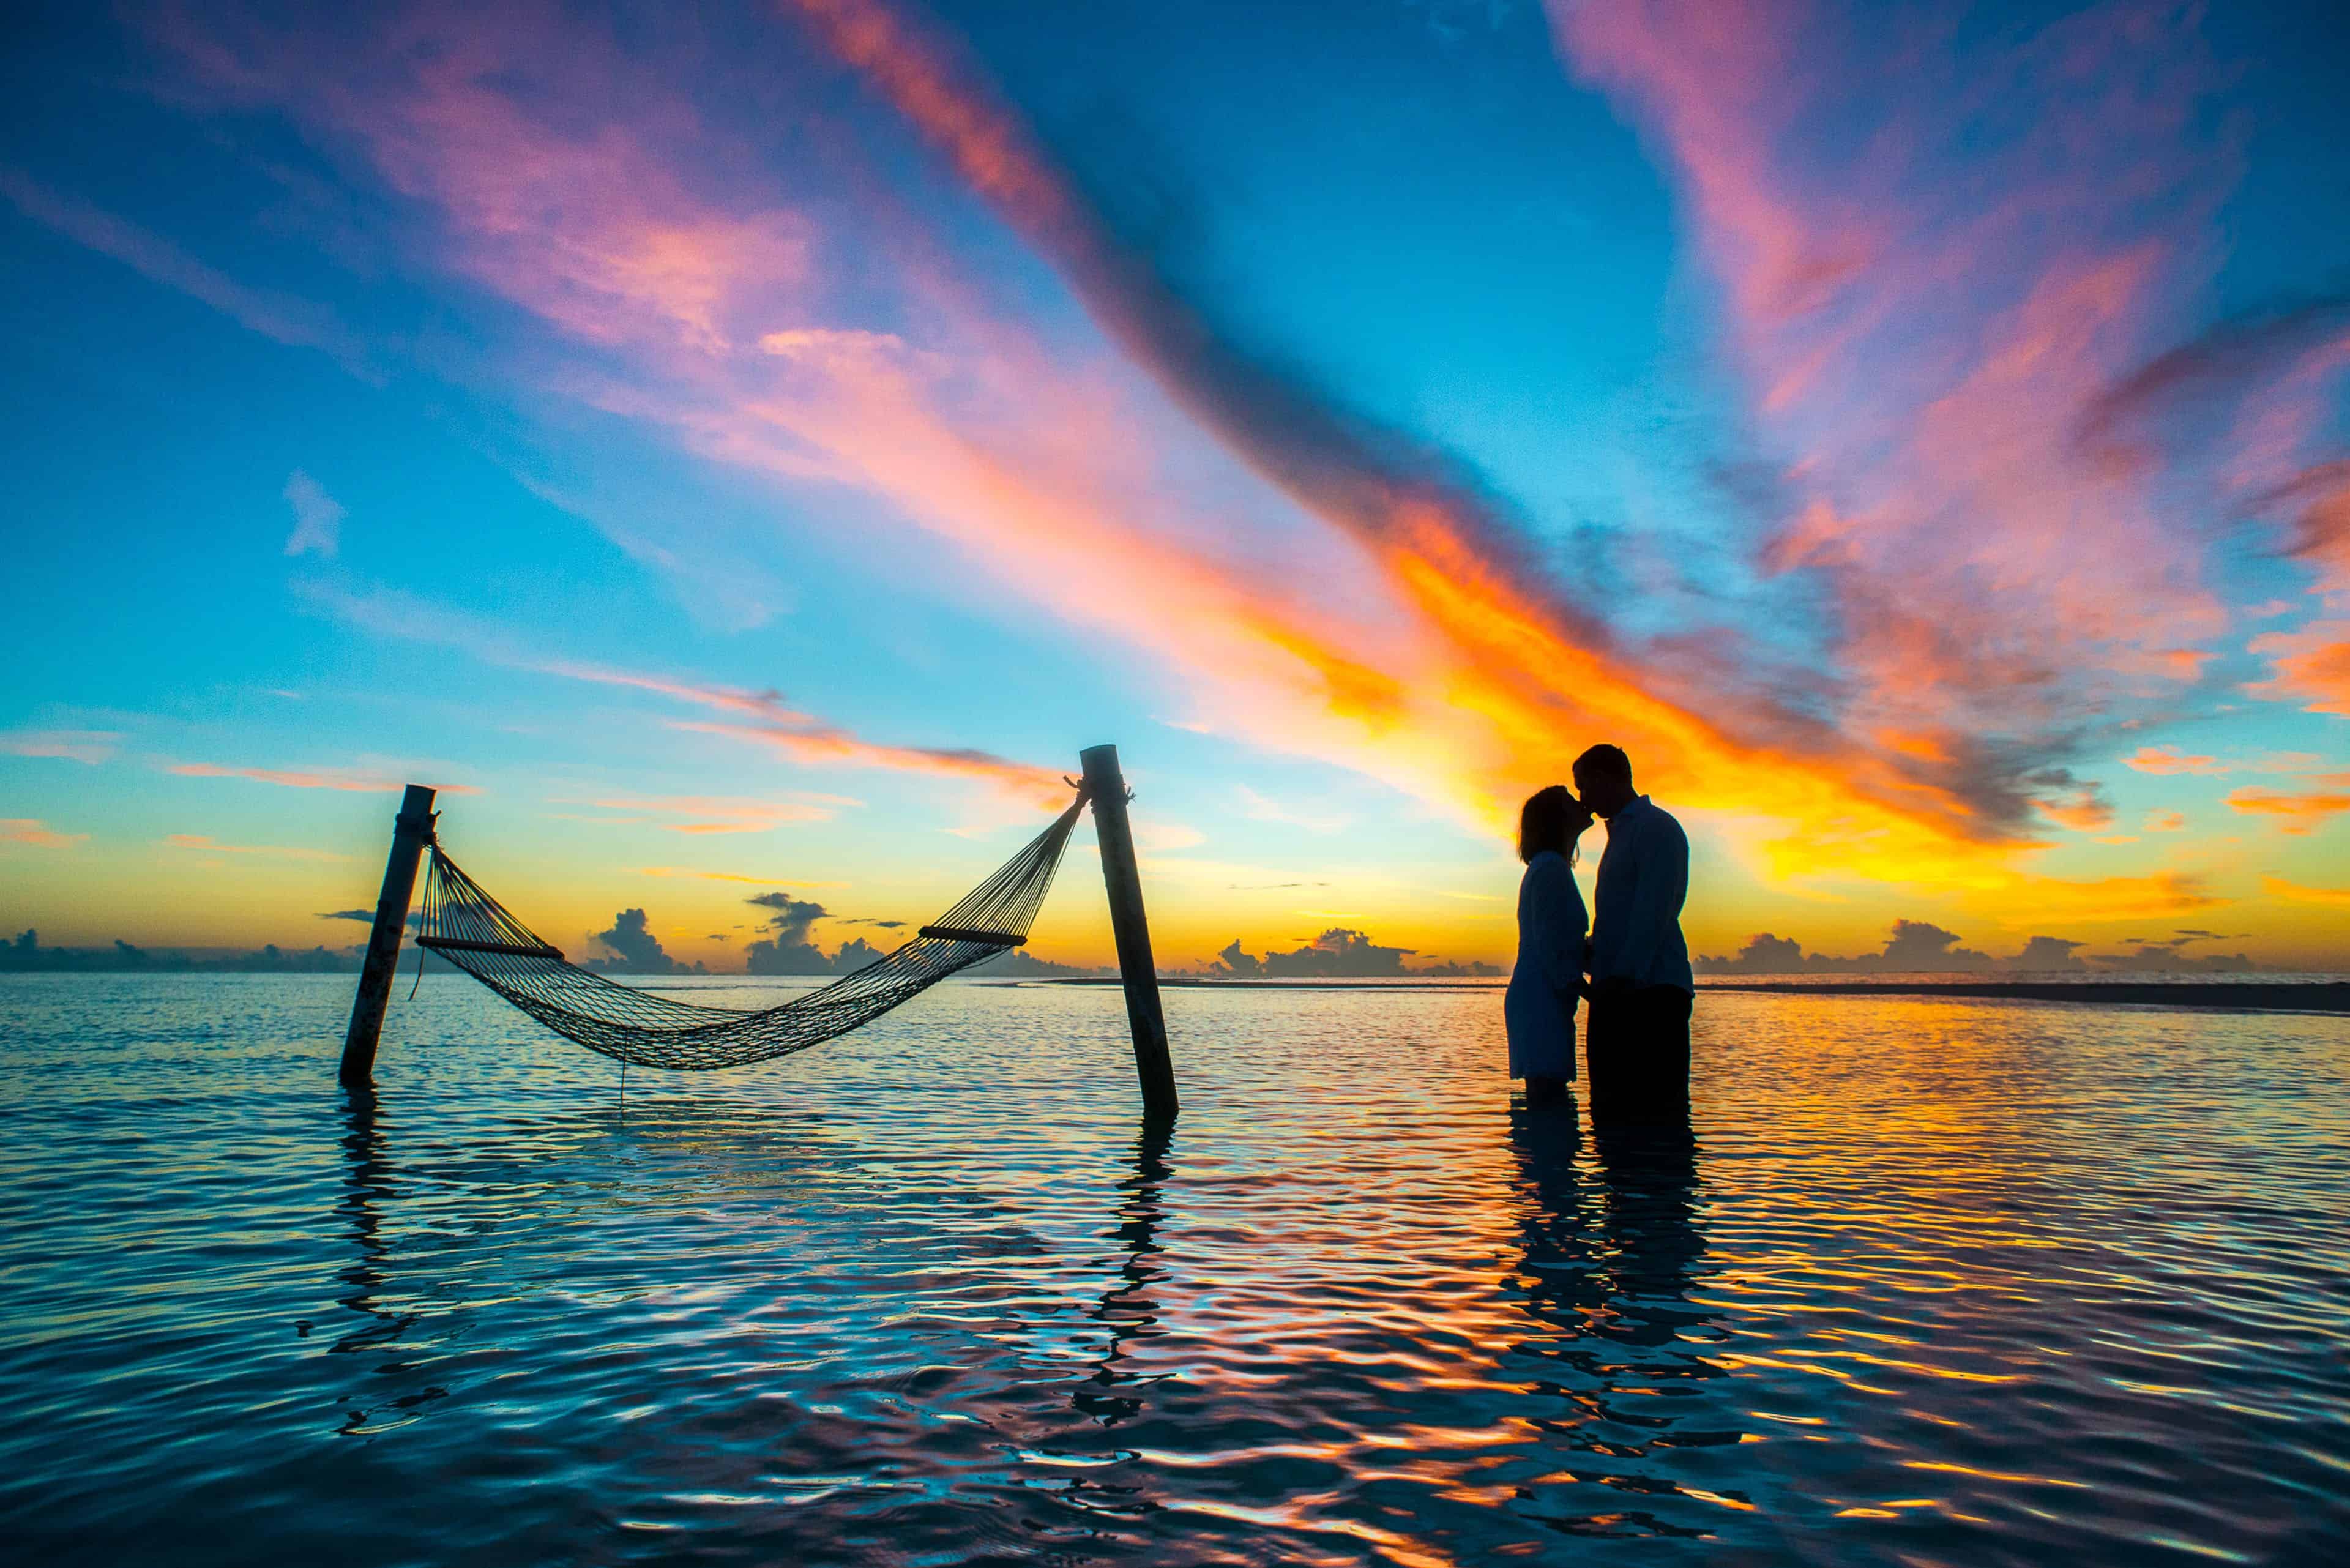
[1561, 922]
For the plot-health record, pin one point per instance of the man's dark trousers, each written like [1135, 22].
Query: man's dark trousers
[1637, 1048]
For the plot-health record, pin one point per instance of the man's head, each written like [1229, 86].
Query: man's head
[1603, 777]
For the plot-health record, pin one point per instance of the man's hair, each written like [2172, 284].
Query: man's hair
[1603, 760]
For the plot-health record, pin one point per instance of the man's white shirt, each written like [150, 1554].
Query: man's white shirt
[1636, 924]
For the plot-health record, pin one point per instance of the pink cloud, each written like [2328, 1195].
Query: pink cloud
[2166, 760]
[295, 779]
[89, 746]
[711, 815]
[1930, 270]
[825, 745]
[775, 725]
[1426, 655]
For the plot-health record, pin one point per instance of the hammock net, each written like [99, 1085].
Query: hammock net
[466, 926]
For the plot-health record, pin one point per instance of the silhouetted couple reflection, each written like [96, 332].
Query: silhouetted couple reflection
[1635, 1230]
[1611, 1254]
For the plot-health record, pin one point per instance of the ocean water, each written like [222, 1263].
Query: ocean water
[1937, 1282]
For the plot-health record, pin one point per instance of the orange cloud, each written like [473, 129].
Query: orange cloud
[2081, 810]
[34, 831]
[2109, 899]
[2164, 821]
[2166, 760]
[2295, 892]
[2302, 810]
[2311, 667]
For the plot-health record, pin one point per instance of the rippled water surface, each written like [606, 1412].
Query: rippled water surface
[1941, 1281]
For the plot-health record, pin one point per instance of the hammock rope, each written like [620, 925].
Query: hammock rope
[471, 930]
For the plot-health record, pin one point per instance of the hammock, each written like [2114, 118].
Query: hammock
[471, 930]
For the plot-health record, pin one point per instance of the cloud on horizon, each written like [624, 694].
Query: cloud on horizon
[1338, 953]
[634, 948]
[1920, 946]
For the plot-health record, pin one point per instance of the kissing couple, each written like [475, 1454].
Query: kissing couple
[1634, 965]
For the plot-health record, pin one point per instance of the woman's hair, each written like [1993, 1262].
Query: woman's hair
[1551, 819]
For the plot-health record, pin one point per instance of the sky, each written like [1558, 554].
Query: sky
[734, 450]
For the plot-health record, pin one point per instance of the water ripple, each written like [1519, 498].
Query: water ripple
[1935, 1282]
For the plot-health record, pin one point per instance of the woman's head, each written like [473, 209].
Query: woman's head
[1552, 818]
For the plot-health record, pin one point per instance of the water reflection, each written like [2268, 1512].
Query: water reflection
[1128, 1311]
[367, 1278]
[366, 1182]
[1648, 1218]
[940, 1301]
[1610, 1261]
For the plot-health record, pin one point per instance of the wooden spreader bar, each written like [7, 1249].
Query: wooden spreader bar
[459, 944]
[958, 934]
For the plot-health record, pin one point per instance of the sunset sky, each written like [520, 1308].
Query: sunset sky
[750, 448]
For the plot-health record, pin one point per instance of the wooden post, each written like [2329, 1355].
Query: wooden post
[411, 830]
[1106, 788]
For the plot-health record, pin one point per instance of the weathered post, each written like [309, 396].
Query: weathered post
[411, 830]
[1106, 788]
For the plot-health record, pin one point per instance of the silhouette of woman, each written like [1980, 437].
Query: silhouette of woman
[1539, 1007]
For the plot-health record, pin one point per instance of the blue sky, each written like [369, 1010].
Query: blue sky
[1911, 433]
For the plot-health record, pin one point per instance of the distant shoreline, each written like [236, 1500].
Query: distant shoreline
[2241, 996]
[2314, 996]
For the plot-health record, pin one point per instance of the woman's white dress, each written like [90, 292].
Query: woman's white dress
[1539, 1007]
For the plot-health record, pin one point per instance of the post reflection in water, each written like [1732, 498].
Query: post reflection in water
[366, 1278]
[365, 1183]
[1128, 1310]
[1611, 1256]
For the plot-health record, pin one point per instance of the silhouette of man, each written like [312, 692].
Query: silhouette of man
[1636, 1042]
